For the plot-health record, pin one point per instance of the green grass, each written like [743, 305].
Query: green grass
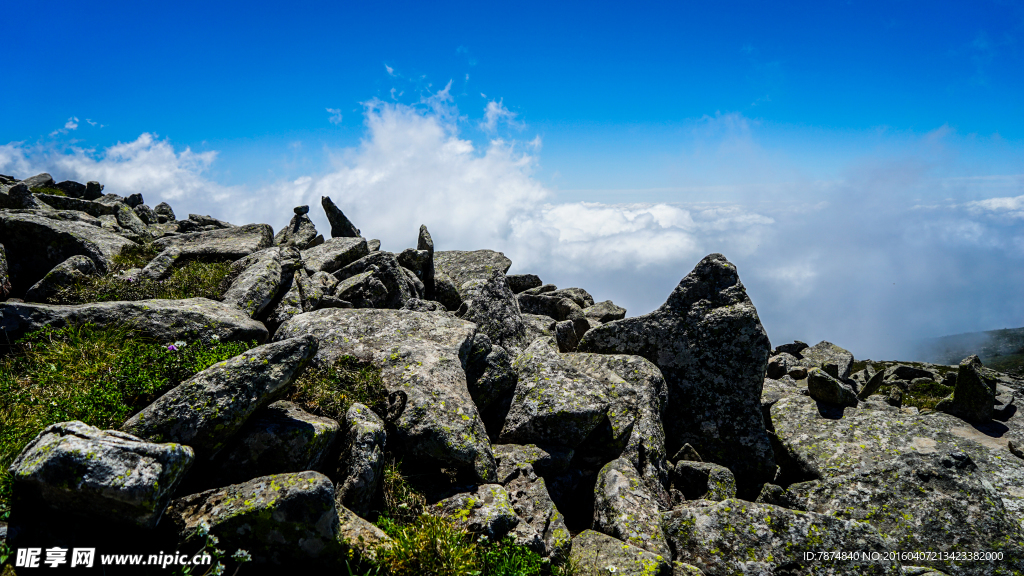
[50, 191]
[1010, 364]
[98, 376]
[192, 280]
[135, 256]
[330, 391]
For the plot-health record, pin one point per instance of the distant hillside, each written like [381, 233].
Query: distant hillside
[999, 349]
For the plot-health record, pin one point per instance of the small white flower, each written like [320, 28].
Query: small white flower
[217, 570]
[611, 569]
[203, 528]
[242, 555]
[213, 540]
[215, 338]
[179, 343]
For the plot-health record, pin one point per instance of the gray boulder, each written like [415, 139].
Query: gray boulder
[128, 220]
[834, 360]
[973, 398]
[541, 526]
[490, 379]
[462, 266]
[445, 291]
[388, 271]
[520, 282]
[556, 307]
[93, 190]
[597, 554]
[162, 265]
[278, 439]
[334, 254]
[419, 355]
[23, 234]
[872, 385]
[90, 207]
[63, 274]
[487, 511]
[206, 410]
[341, 227]
[712, 350]
[146, 214]
[362, 460]
[161, 320]
[538, 326]
[579, 296]
[739, 537]
[75, 468]
[703, 481]
[71, 188]
[281, 519]
[43, 180]
[605, 311]
[491, 305]
[299, 232]
[363, 290]
[784, 363]
[233, 243]
[5, 279]
[164, 212]
[257, 279]
[824, 387]
[20, 197]
[565, 336]
[625, 509]
[511, 458]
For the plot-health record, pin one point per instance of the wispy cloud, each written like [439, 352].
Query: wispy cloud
[496, 112]
[335, 117]
[71, 124]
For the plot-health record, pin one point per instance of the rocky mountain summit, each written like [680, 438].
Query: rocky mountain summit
[372, 391]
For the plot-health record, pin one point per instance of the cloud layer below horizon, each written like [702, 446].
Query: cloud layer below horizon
[884, 251]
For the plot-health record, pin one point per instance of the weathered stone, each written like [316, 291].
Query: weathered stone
[299, 232]
[795, 348]
[492, 306]
[973, 398]
[703, 481]
[63, 274]
[207, 222]
[445, 291]
[134, 200]
[487, 511]
[687, 453]
[565, 336]
[130, 221]
[76, 468]
[93, 190]
[919, 479]
[363, 290]
[146, 214]
[233, 243]
[553, 306]
[538, 326]
[387, 271]
[5, 279]
[579, 296]
[278, 439]
[541, 289]
[257, 282]
[824, 387]
[361, 536]
[625, 509]
[597, 554]
[519, 282]
[738, 537]
[162, 265]
[291, 303]
[712, 350]
[781, 364]
[777, 496]
[462, 267]
[834, 360]
[341, 227]
[334, 254]
[490, 379]
[541, 527]
[419, 357]
[362, 459]
[35, 244]
[549, 460]
[43, 180]
[69, 203]
[207, 409]
[164, 212]
[280, 519]
[872, 385]
[161, 320]
[605, 311]
[423, 305]
[71, 188]
[373, 245]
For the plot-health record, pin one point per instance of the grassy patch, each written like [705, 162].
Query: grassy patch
[98, 376]
[192, 280]
[50, 191]
[923, 395]
[135, 256]
[330, 390]
[1010, 364]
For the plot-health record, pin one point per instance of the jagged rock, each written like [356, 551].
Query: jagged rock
[341, 227]
[363, 290]
[208, 222]
[552, 306]
[130, 221]
[360, 535]
[538, 326]
[641, 393]
[414, 284]
[490, 380]
[973, 398]
[106, 474]
[362, 459]
[43, 180]
[161, 266]
[541, 526]
[445, 291]
[625, 509]
[419, 357]
[161, 320]
[233, 243]
[90, 207]
[783, 363]
[35, 244]
[557, 404]
[257, 280]
[549, 460]
[207, 409]
[834, 360]
[278, 439]
[164, 212]
[281, 519]
[541, 289]
[738, 537]
[71, 188]
[291, 302]
[134, 200]
[63, 274]
[387, 271]
[334, 254]
[919, 479]
[111, 199]
[712, 350]
[565, 336]
[824, 387]
[315, 289]
[703, 480]
[373, 245]
[777, 496]
[519, 282]
[794, 348]
[687, 453]
[5, 279]
[423, 305]
[93, 190]
[299, 232]
[462, 266]
[605, 311]
[597, 554]
[579, 296]
[146, 214]
[492, 306]
[872, 385]
[487, 511]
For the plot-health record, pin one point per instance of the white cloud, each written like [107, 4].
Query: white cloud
[496, 112]
[1011, 207]
[335, 116]
[71, 124]
[391, 71]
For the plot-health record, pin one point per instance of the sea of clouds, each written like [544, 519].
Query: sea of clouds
[884, 251]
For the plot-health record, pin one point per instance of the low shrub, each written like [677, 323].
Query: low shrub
[431, 546]
[330, 390]
[194, 279]
[98, 376]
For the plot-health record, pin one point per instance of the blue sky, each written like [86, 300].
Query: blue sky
[861, 162]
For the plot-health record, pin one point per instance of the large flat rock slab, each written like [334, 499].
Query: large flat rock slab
[462, 266]
[228, 243]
